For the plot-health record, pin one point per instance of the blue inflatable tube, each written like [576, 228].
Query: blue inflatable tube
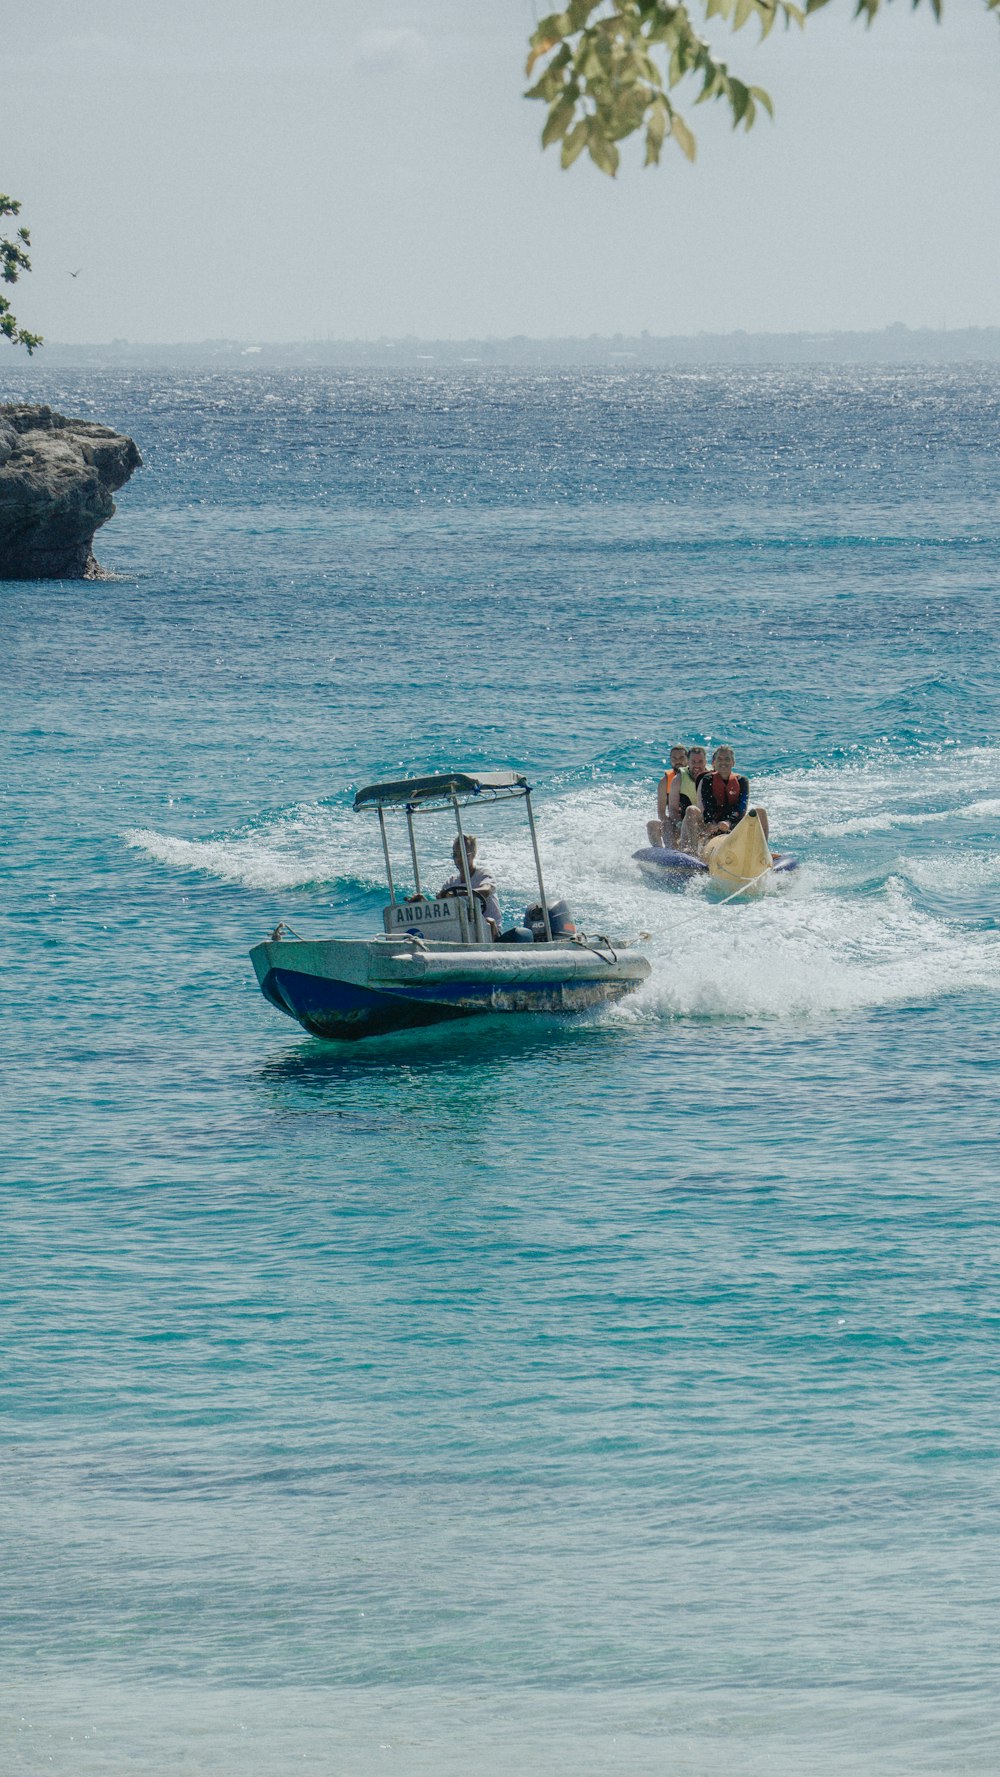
[663, 865]
[655, 860]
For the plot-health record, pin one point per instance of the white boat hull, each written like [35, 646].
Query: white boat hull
[358, 987]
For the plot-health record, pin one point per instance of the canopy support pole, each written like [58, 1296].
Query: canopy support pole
[413, 848]
[538, 866]
[385, 848]
[473, 903]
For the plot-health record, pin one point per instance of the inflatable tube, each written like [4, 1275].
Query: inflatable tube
[658, 861]
[740, 858]
[659, 864]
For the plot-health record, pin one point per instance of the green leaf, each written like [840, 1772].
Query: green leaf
[579, 12]
[574, 143]
[603, 153]
[656, 130]
[683, 137]
[739, 99]
[558, 122]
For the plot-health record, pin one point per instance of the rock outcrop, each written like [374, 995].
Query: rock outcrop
[57, 477]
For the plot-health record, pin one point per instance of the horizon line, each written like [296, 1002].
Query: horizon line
[895, 329]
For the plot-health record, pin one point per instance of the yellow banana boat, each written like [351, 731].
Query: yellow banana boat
[738, 859]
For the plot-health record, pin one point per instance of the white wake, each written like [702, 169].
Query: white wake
[848, 931]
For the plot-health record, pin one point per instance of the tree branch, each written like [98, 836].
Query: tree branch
[609, 67]
[13, 261]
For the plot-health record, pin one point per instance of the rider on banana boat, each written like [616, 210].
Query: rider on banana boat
[660, 831]
[683, 791]
[723, 799]
[676, 792]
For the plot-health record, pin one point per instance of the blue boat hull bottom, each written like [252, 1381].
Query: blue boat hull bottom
[660, 864]
[401, 989]
[339, 1009]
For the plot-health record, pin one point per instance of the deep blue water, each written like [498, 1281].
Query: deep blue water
[616, 1396]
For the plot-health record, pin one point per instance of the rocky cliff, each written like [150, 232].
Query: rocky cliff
[57, 477]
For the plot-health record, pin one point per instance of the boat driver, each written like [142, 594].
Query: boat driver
[723, 799]
[483, 886]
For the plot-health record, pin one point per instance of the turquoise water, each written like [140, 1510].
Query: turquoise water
[616, 1396]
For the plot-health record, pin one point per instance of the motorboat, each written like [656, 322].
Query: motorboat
[437, 957]
[740, 861]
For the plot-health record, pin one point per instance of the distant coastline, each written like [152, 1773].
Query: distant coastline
[891, 345]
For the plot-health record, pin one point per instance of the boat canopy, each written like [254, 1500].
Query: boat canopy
[444, 790]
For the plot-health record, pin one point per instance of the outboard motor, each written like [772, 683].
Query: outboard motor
[559, 919]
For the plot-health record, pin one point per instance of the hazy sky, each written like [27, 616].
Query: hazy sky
[297, 169]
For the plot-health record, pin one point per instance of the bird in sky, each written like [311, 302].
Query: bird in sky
[76, 274]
